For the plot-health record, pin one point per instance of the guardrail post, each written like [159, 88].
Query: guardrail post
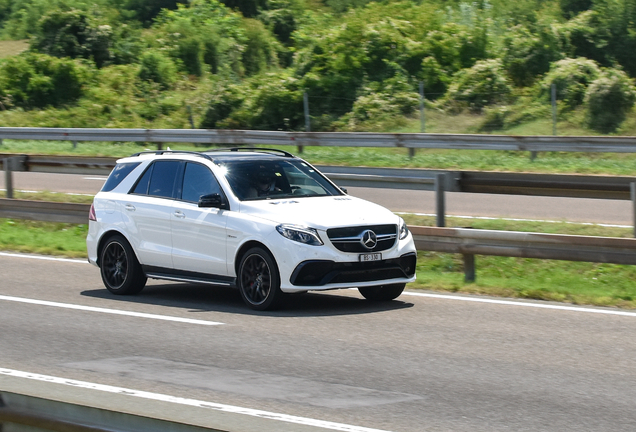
[74, 144]
[8, 176]
[469, 267]
[440, 187]
[632, 190]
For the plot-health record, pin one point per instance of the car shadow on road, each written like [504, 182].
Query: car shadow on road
[205, 298]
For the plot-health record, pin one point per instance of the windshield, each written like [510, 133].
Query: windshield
[274, 179]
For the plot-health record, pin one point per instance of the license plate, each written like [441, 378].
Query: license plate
[370, 257]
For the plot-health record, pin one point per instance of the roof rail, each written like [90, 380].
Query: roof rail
[162, 152]
[254, 149]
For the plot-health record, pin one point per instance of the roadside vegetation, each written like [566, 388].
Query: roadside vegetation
[487, 66]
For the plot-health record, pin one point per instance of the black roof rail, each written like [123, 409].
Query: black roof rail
[162, 152]
[255, 149]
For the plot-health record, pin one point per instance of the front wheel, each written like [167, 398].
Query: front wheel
[258, 280]
[382, 292]
[121, 272]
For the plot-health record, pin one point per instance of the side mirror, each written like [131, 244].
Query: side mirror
[213, 201]
[343, 189]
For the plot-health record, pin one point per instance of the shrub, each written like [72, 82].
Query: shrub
[528, 55]
[273, 101]
[571, 8]
[72, 34]
[572, 78]
[609, 99]
[157, 68]
[222, 103]
[435, 78]
[479, 86]
[37, 80]
[190, 52]
[380, 105]
[260, 48]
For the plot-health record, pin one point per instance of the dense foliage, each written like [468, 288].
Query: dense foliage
[248, 63]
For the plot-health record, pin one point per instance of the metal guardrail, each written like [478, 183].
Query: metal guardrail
[471, 242]
[44, 211]
[22, 411]
[331, 139]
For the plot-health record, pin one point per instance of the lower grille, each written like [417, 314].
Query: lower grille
[320, 273]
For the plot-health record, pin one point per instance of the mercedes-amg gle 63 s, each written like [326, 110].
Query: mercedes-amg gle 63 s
[261, 220]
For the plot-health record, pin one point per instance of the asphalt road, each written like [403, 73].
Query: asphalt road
[415, 364]
[617, 212]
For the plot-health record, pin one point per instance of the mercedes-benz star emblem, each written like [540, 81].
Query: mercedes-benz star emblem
[369, 239]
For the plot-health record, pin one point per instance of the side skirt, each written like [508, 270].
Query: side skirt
[187, 276]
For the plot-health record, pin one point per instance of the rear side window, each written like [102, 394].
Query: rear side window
[158, 180]
[118, 174]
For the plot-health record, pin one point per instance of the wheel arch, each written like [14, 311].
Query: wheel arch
[107, 236]
[247, 246]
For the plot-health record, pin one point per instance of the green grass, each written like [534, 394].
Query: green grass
[54, 197]
[46, 238]
[563, 281]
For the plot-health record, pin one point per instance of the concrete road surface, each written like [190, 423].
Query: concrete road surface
[420, 363]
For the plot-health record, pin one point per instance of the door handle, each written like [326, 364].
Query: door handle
[130, 207]
[179, 214]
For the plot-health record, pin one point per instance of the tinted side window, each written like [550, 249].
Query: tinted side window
[141, 188]
[163, 178]
[198, 180]
[118, 174]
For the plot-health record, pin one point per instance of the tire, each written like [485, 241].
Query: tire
[120, 270]
[382, 292]
[258, 280]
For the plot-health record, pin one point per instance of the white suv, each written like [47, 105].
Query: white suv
[262, 220]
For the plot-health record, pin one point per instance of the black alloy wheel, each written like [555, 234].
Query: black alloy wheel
[382, 292]
[120, 270]
[258, 280]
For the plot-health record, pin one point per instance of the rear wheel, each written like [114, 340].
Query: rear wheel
[120, 270]
[382, 292]
[258, 280]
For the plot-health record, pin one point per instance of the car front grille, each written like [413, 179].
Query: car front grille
[349, 239]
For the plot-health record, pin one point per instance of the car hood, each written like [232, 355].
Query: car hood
[320, 212]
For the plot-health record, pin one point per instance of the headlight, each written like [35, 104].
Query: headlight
[300, 234]
[404, 231]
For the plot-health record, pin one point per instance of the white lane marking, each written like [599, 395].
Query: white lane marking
[190, 402]
[43, 257]
[439, 296]
[96, 178]
[519, 220]
[109, 311]
[515, 303]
